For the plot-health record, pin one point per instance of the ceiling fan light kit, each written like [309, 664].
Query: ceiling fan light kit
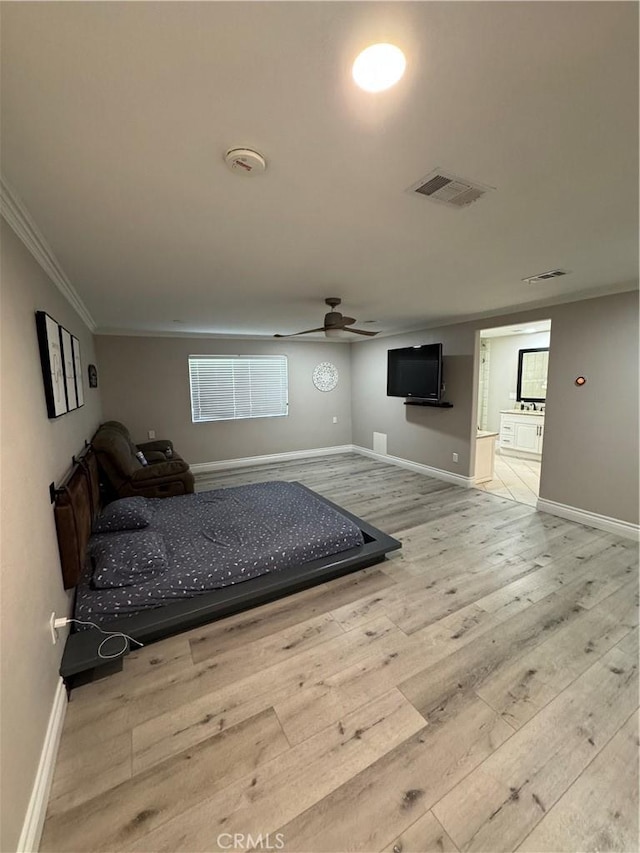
[334, 325]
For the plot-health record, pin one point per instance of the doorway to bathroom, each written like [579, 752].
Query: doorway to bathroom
[511, 409]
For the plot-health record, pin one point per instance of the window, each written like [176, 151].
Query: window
[229, 387]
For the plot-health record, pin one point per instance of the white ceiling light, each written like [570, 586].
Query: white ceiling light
[379, 67]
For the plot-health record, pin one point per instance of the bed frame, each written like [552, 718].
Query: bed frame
[77, 503]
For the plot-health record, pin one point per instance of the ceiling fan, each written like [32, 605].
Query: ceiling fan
[334, 323]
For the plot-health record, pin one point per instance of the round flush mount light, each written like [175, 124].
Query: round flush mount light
[245, 161]
[379, 67]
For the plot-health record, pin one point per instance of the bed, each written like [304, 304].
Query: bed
[168, 565]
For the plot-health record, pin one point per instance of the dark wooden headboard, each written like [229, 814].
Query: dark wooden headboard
[77, 502]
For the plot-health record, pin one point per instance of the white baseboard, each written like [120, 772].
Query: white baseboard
[249, 461]
[590, 519]
[37, 808]
[438, 473]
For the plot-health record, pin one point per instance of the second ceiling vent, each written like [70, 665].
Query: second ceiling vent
[545, 276]
[449, 189]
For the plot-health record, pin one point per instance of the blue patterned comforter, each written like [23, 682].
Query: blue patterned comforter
[217, 538]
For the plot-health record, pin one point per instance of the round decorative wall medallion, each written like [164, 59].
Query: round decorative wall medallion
[325, 376]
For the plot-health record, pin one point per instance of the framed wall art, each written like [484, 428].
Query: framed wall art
[92, 373]
[69, 372]
[77, 370]
[51, 359]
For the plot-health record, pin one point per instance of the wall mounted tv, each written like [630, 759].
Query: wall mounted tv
[415, 372]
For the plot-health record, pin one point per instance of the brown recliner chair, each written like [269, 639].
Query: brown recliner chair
[166, 473]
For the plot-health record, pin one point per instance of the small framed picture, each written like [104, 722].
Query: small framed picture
[51, 359]
[69, 370]
[77, 370]
[93, 376]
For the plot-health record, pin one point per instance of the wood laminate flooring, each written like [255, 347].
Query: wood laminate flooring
[476, 691]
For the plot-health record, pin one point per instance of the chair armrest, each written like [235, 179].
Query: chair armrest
[155, 456]
[160, 444]
[170, 468]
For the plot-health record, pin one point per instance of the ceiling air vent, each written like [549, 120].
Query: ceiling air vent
[448, 189]
[545, 276]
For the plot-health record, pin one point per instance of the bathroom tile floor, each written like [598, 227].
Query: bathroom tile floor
[515, 479]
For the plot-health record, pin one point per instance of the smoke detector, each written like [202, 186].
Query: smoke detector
[245, 161]
[545, 276]
[449, 189]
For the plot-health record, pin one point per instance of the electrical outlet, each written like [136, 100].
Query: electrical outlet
[152, 433]
[455, 457]
[335, 419]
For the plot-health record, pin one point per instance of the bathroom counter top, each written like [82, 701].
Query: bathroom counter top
[521, 412]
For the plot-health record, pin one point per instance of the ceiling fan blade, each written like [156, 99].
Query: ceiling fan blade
[295, 334]
[362, 332]
[348, 321]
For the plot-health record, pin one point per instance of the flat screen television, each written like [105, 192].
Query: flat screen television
[415, 372]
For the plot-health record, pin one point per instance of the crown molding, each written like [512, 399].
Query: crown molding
[17, 216]
[220, 336]
[519, 310]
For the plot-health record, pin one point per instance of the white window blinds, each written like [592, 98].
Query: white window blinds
[227, 387]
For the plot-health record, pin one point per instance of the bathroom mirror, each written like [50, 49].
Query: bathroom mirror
[533, 365]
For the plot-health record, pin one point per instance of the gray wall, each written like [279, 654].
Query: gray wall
[503, 371]
[426, 435]
[145, 384]
[590, 458]
[35, 452]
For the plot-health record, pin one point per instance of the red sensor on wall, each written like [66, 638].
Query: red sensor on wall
[580, 381]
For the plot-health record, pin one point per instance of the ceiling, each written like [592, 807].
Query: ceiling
[116, 118]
